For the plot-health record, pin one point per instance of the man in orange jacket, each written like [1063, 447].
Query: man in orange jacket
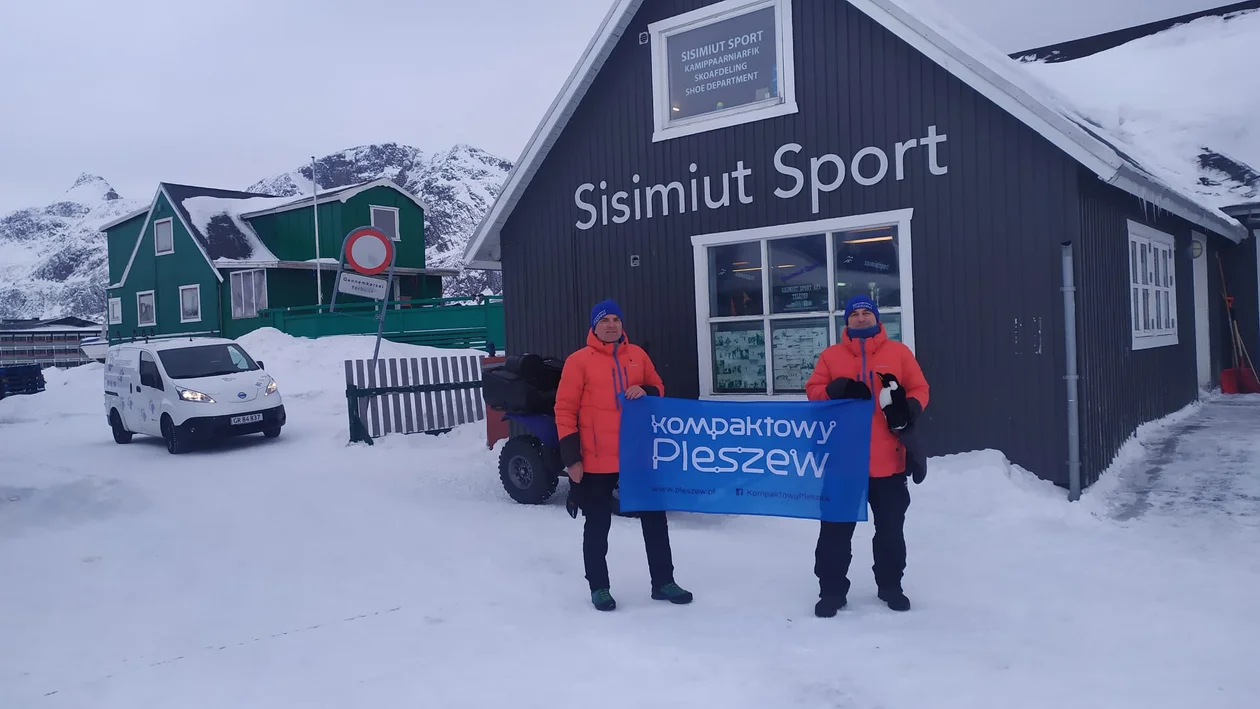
[865, 364]
[595, 383]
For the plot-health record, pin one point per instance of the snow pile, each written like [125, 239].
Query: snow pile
[1177, 94]
[305, 571]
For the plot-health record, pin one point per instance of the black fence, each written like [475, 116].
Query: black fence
[412, 395]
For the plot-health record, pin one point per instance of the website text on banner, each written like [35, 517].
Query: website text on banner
[809, 460]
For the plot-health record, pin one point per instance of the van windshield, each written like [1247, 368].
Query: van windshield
[205, 361]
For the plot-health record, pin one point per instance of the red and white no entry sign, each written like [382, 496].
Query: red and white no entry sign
[369, 250]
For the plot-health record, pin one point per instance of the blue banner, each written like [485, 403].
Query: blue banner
[801, 459]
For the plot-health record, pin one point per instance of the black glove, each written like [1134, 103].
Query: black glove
[573, 502]
[916, 462]
[892, 399]
[845, 388]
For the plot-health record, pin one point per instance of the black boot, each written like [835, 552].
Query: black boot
[896, 600]
[828, 605]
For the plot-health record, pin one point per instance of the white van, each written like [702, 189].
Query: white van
[187, 390]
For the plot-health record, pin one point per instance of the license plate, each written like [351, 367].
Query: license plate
[248, 418]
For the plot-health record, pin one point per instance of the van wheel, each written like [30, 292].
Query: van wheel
[271, 431]
[175, 443]
[121, 434]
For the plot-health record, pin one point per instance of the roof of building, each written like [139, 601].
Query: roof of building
[338, 194]
[213, 217]
[64, 324]
[1115, 159]
[1181, 100]
[1086, 46]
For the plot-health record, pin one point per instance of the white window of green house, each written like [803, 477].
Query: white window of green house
[768, 301]
[1152, 287]
[163, 237]
[190, 303]
[115, 311]
[249, 293]
[146, 309]
[722, 65]
[386, 219]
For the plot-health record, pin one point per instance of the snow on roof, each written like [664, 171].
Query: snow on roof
[338, 194]
[926, 26]
[223, 233]
[1184, 101]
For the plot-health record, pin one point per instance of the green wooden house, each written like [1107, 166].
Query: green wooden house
[203, 261]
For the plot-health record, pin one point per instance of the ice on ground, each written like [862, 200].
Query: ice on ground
[302, 571]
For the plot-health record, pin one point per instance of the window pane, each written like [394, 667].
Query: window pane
[1145, 279]
[1137, 311]
[386, 220]
[238, 296]
[1167, 275]
[1159, 309]
[1167, 312]
[798, 274]
[739, 357]
[723, 65]
[1146, 309]
[1133, 261]
[866, 264]
[260, 291]
[190, 302]
[735, 280]
[162, 232]
[795, 346]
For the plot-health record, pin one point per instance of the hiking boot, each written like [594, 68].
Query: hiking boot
[896, 600]
[828, 605]
[671, 592]
[603, 600]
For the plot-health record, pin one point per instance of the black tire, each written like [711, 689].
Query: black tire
[121, 434]
[524, 471]
[271, 432]
[175, 443]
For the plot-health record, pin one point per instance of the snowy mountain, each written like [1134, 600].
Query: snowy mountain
[458, 185]
[53, 258]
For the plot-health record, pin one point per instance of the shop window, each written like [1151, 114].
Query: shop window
[163, 237]
[190, 303]
[386, 219]
[722, 65]
[249, 293]
[146, 310]
[773, 303]
[1152, 287]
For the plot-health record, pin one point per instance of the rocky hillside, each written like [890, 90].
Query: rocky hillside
[53, 258]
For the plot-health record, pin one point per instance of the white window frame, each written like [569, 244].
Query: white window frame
[1152, 254]
[234, 281]
[115, 311]
[900, 219]
[152, 296]
[374, 208]
[785, 104]
[196, 287]
[170, 222]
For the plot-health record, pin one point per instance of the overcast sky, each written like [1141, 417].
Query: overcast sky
[223, 93]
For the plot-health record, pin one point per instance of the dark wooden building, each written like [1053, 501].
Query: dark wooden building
[731, 172]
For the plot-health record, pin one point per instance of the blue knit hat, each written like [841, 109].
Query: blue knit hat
[607, 307]
[860, 301]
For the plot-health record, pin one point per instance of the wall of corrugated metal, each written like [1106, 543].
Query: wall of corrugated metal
[986, 235]
[1122, 388]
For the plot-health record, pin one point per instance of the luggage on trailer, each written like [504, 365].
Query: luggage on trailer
[524, 384]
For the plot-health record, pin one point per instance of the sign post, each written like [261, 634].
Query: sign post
[369, 252]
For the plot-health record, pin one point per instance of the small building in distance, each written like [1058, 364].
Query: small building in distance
[205, 261]
[53, 342]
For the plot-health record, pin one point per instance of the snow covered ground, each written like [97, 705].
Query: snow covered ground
[302, 572]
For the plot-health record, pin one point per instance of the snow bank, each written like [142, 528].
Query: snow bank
[1175, 95]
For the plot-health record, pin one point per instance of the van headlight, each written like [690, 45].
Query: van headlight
[272, 388]
[191, 395]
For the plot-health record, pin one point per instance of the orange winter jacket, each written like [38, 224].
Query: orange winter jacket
[863, 360]
[590, 397]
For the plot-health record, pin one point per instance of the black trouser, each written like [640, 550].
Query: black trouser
[597, 496]
[889, 499]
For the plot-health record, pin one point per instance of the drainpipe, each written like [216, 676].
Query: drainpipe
[1069, 328]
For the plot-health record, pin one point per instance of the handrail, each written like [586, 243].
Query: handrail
[417, 303]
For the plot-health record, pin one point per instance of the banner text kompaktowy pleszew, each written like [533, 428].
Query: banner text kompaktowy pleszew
[669, 447]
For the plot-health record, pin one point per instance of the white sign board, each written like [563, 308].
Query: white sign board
[363, 286]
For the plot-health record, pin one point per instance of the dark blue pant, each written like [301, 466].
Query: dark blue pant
[596, 494]
[889, 498]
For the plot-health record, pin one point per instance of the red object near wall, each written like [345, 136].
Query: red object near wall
[496, 426]
[1239, 381]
